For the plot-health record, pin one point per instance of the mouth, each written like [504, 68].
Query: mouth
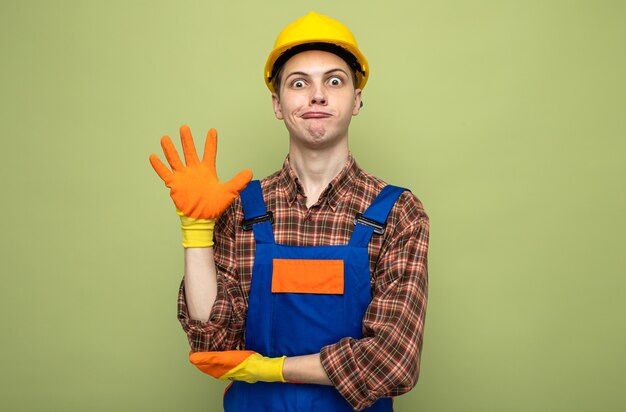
[315, 115]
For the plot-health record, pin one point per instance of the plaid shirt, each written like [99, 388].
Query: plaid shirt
[385, 362]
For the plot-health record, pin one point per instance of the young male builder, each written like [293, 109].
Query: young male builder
[313, 296]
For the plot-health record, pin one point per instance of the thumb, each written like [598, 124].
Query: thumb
[239, 182]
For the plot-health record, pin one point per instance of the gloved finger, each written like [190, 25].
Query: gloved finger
[239, 182]
[218, 364]
[158, 166]
[171, 154]
[210, 150]
[189, 150]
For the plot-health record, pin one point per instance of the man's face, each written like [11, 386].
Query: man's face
[317, 99]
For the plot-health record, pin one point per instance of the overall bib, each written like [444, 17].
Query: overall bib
[303, 298]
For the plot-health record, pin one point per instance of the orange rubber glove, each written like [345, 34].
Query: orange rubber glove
[195, 188]
[239, 365]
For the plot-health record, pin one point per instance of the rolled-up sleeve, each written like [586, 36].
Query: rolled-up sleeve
[386, 360]
[225, 328]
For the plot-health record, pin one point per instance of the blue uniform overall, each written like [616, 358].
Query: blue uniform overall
[303, 298]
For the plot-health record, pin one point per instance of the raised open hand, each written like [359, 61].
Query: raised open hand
[195, 188]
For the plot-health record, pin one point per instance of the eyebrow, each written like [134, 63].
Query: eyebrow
[298, 73]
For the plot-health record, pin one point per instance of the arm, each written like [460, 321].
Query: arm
[205, 310]
[200, 198]
[305, 369]
[216, 325]
[200, 282]
[385, 362]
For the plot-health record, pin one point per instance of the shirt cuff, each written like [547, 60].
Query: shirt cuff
[345, 375]
[202, 335]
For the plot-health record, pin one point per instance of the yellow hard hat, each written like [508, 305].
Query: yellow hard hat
[316, 29]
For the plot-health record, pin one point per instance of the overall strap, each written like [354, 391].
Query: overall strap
[374, 219]
[255, 214]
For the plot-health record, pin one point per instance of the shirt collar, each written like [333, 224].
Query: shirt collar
[334, 191]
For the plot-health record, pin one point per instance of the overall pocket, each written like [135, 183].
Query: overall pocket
[307, 305]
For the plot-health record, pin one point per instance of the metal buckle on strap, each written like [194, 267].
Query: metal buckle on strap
[378, 228]
[248, 223]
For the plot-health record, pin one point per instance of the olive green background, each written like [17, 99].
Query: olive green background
[506, 118]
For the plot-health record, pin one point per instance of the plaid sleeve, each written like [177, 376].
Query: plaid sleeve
[225, 328]
[386, 361]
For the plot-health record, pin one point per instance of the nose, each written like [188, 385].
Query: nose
[318, 96]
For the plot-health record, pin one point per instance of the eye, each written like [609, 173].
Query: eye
[335, 81]
[298, 84]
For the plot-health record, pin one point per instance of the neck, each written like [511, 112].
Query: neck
[316, 168]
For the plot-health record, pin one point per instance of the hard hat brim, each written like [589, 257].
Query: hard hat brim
[362, 73]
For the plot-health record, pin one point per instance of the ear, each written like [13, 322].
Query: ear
[277, 109]
[357, 102]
